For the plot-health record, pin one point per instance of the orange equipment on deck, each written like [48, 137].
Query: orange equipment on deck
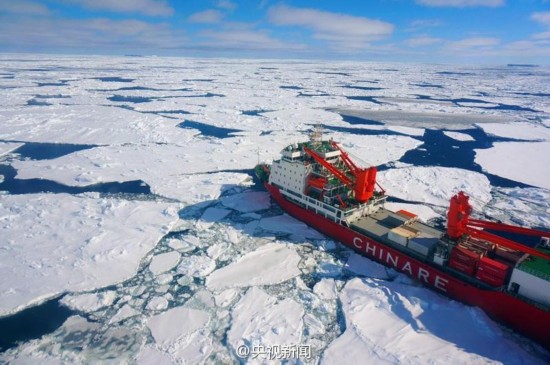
[459, 224]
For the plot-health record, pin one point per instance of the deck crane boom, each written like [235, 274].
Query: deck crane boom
[459, 223]
[362, 180]
[350, 164]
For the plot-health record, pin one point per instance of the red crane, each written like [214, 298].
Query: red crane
[350, 164]
[362, 180]
[459, 223]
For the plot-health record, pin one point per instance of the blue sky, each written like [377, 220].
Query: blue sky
[452, 31]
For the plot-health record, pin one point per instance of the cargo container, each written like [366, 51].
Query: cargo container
[468, 268]
[508, 254]
[489, 279]
[479, 250]
[422, 244]
[464, 255]
[493, 268]
[401, 235]
[410, 216]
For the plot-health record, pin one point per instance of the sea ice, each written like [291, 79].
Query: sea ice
[287, 224]
[125, 312]
[435, 185]
[7, 147]
[260, 319]
[272, 263]
[178, 332]
[517, 130]
[521, 206]
[388, 322]
[363, 266]
[211, 216]
[157, 304]
[326, 289]
[463, 137]
[247, 202]
[58, 242]
[375, 150]
[196, 266]
[152, 355]
[525, 162]
[164, 262]
[89, 302]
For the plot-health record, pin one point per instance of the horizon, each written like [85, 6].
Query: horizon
[402, 31]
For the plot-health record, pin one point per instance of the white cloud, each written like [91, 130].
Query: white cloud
[227, 5]
[207, 17]
[542, 17]
[424, 23]
[343, 31]
[543, 35]
[88, 34]
[422, 41]
[475, 42]
[23, 7]
[243, 39]
[461, 3]
[144, 7]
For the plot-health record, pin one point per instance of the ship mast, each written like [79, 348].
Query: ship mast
[316, 136]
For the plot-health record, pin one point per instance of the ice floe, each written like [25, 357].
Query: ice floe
[389, 322]
[7, 147]
[59, 242]
[519, 161]
[272, 263]
[89, 302]
[435, 185]
[463, 137]
[518, 130]
[247, 202]
[259, 319]
[164, 262]
[178, 332]
[287, 224]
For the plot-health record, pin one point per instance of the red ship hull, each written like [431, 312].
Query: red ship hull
[511, 311]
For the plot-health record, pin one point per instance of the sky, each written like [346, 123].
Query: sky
[441, 31]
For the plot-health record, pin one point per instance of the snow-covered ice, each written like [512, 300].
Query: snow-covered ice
[7, 147]
[287, 224]
[272, 263]
[376, 150]
[164, 262]
[435, 185]
[211, 216]
[518, 130]
[178, 332]
[59, 242]
[362, 266]
[463, 137]
[196, 266]
[389, 323]
[259, 319]
[234, 270]
[89, 302]
[247, 202]
[524, 162]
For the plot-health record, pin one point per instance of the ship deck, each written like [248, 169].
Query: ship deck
[378, 224]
